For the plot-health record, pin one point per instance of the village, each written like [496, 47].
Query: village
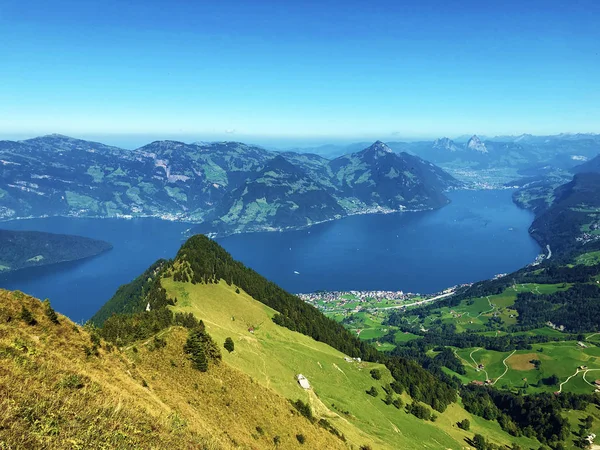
[341, 298]
[344, 302]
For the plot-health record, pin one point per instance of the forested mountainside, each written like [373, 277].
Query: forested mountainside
[287, 195]
[227, 186]
[593, 165]
[573, 218]
[22, 249]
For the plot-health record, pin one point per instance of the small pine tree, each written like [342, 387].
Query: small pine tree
[27, 317]
[50, 313]
[229, 345]
[237, 290]
[301, 438]
[193, 347]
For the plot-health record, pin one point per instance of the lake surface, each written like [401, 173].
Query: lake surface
[478, 235]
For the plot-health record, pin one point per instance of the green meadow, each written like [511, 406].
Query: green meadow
[516, 370]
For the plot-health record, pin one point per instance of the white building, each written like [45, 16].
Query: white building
[303, 381]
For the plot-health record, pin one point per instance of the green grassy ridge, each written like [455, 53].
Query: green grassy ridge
[273, 355]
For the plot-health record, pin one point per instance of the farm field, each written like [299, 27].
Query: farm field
[481, 314]
[273, 356]
[516, 370]
[588, 259]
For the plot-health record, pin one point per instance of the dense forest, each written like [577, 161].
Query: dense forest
[577, 309]
[23, 249]
[133, 297]
[536, 415]
[574, 206]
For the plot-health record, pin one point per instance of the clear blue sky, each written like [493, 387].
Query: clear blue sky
[313, 70]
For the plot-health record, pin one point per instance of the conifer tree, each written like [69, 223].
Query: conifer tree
[50, 313]
[229, 345]
[194, 347]
[27, 317]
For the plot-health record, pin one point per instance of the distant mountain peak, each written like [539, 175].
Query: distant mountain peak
[378, 148]
[52, 136]
[476, 144]
[445, 144]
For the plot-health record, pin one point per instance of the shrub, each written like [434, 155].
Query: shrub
[158, 343]
[27, 317]
[73, 381]
[304, 409]
[229, 345]
[276, 440]
[50, 313]
[479, 442]
[373, 391]
[301, 438]
[389, 398]
[376, 374]
[464, 424]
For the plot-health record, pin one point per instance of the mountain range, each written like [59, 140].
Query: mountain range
[517, 154]
[227, 187]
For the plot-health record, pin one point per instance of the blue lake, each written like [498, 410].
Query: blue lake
[478, 235]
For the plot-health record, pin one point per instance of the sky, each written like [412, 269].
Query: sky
[309, 71]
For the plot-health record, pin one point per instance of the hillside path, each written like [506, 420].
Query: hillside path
[567, 380]
[505, 365]
[487, 377]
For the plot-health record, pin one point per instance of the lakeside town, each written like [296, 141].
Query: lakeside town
[331, 302]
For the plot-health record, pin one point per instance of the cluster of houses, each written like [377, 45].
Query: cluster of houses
[340, 297]
[482, 383]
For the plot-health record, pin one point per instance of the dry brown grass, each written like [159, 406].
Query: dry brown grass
[54, 396]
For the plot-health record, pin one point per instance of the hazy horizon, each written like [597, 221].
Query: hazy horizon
[134, 141]
[290, 72]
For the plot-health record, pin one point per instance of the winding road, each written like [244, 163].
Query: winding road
[490, 310]
[476, 365]
[506, 367]
[567, 380]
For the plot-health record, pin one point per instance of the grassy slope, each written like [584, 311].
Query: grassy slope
[178, 408]
[274, 355]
